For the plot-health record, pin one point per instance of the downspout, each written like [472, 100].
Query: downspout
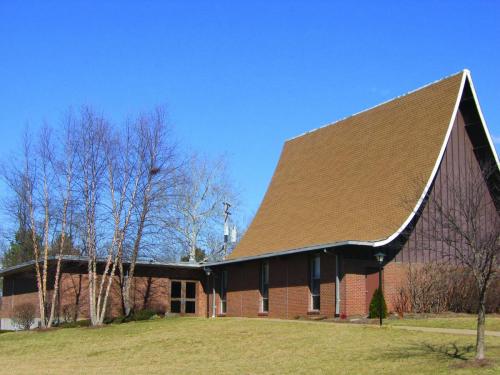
[208, 295]
[337, 285]
[208, 272]
[214, 305]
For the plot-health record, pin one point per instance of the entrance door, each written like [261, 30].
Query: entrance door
[371, 285]
[183, 297]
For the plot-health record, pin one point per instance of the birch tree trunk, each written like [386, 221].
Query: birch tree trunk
[135, 253]
[44, 152]
[129, 168]
[29, 180]
[156, 160]
[36, 250]
[69, 155]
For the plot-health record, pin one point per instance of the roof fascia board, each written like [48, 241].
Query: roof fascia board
[483, 121]
[72, 258]
[292, 251]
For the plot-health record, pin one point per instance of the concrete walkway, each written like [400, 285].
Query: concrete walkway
[469, 332]
[453, 331]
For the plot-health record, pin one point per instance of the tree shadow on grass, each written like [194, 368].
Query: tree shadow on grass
[425, 350]
[457, 356]
[452, 351]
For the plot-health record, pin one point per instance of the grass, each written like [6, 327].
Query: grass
[458, 321]
[247, 346]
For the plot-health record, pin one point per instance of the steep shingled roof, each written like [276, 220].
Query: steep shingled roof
[346, 181]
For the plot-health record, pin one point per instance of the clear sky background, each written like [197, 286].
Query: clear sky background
[237, 78]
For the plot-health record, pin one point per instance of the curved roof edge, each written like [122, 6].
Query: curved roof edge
[466, 77]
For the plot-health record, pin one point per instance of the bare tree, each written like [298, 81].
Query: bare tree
[15, 206]
[28, 178]
[118, 180]
[197, 214]
[464, 226]
[93, 130]
[156, 175]
[34, 181]
[125, 171]
[63, 167]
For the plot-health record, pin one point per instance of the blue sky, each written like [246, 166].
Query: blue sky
[237, 78]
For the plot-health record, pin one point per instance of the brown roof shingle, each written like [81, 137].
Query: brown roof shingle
[346, 181]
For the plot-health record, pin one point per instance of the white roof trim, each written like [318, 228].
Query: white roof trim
[375, 106]
[485, 127]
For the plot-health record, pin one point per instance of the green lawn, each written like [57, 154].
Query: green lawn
[238, 346]
[458, 322]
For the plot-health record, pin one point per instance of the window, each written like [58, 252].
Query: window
[223, 292]
[183, 297]
[175, 297]
[190, 298]
[314, 282]
[264, 287]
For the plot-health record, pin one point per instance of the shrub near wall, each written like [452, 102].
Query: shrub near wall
[24, 315]
[378, 305]
[436, 288]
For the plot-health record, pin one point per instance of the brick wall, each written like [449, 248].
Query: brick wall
[289, 295]
[9, 302]
[394, 277]
[152, 292]
[353, 285]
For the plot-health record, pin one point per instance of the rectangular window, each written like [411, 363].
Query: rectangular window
[190, 290]
[183, 297]
[314, 282]
[175, 306]
[176, 289]
[190, 307]
[190, 297]
[264, 287]
[223, 292]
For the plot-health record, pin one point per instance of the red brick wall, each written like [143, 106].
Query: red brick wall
[355, 288]
[289, 295]
[394, 276]
[9, 302]
[327, 290]
[74, 295]
[278, 291]
[298, 286]
[353, 285]
[148, 292]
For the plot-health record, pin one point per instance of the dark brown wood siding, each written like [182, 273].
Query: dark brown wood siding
[461, 158]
